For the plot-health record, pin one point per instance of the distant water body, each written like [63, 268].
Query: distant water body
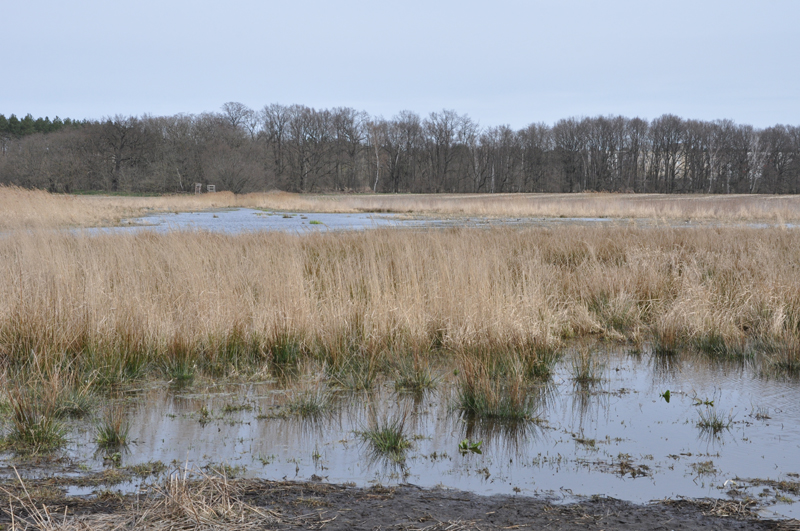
[234, 221]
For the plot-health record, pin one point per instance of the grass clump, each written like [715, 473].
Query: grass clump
[387, 437]
[356, 373]
[113, 429]
[483, 393]
[285, 351]
[36, 426]
[783, 355]
[712, 421]
[38, 398]
[415, 375]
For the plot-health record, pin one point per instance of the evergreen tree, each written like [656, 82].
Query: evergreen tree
[27, 125]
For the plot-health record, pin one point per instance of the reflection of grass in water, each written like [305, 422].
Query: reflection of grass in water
[718, 346]
[310, 403]
[586, 368]
[513, 436]
[783, 356]
[666, 339]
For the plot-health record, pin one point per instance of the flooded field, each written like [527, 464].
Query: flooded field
[618, 436]
[246, 220]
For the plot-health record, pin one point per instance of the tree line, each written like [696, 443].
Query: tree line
[302, 149]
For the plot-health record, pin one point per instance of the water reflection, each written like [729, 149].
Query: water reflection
[243, 424]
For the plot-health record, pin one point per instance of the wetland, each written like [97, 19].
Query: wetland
[560, 365]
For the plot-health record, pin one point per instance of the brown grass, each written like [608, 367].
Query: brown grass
[117, 305]
[25, 209]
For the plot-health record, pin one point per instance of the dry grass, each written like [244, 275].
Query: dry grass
[25, 209]
[720, 208]
[118, 306]
[184, 501]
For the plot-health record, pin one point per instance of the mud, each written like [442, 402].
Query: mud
[316, 505]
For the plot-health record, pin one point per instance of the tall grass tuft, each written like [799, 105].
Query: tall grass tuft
[36, 427]
[40, 395]
[485, 393]
[414, 374]
[387, 437]
[113, 428]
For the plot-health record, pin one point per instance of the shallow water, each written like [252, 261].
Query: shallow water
[619, 438]
[246, 220]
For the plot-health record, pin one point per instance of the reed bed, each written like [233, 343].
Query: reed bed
[118, 307]
[30, 209]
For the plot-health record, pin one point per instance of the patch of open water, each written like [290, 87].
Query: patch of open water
[620, 438]
[246, 220]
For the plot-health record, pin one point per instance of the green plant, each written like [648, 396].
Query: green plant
[113, 428]
[357, 373]
[387, 437]
[35, 424]
[415, 375]
[315, 222]
[484, 395]
[467, 446]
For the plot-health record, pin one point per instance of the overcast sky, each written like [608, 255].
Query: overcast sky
[512, 62]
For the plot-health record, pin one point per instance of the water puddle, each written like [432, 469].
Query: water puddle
[618, 438]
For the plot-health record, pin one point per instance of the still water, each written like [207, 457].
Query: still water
[618, 438]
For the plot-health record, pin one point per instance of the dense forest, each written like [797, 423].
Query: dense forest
[297, 148]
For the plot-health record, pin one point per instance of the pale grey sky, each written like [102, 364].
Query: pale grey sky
[502, 62]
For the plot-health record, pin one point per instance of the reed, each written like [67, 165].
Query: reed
[112, 308]
[28, 209]
[488, 390]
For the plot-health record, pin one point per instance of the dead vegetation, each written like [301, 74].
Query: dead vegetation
[32, 209]
[117, 307]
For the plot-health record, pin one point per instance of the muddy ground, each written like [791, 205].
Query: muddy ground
[261, 504]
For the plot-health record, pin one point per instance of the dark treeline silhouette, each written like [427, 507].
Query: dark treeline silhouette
[297, 148]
